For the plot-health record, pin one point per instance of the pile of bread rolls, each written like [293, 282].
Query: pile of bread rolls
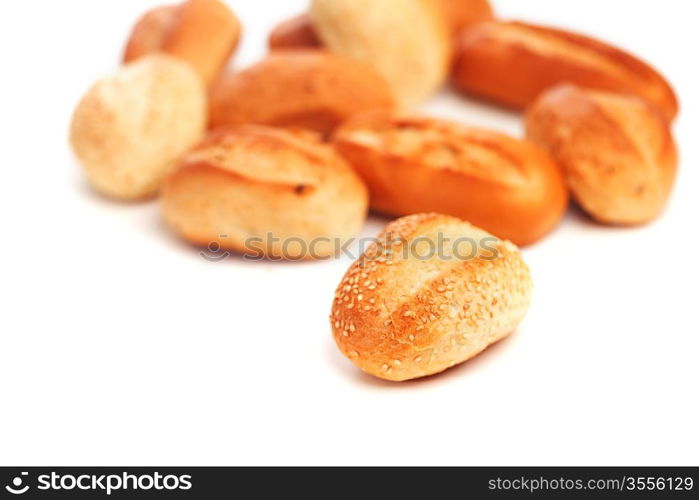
[303, 143]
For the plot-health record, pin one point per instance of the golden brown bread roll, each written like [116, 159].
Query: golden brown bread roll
[406, 41]
[462, 14]
[297, 32]
[509, 187]
[616, 151]
[130, 128]
[202, 32]
[264, 191]
[438, 295]
[307, 88]
[512, 63]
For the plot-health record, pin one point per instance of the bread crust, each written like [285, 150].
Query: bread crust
[400, 317]
[507, 186]
[202, 32]
[130, 129]
[299, 32]
[462, 14]
[260, 182]
[296, 32]
[512, 63]
[617, 151]
[406, 41]
[305, 88]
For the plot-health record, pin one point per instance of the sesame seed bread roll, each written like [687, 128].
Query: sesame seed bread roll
[130, 128]
[306, 88]
[406, 41]
[507, 186]
[296, 32]
[616, 151]
[265, 192]
[512, 63]
[417, 307]
[202, 32]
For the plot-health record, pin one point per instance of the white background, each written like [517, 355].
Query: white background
[121, 345]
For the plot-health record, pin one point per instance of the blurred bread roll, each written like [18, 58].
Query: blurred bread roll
[461, 14]
[299, 31]
[616, 151]
[406, 41]
[265, 192]
[512, 63]
[306, 88]
[436, 292]
[130, 128]
[296, 32]
[202, 32]
[507, 186]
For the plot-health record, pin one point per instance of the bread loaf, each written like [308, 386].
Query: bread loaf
[616, 151]
[311, 88]
[265, 192]
[440, 293]
[512, 63]
[129, 130]
[406, 41]
[202, 32]
[507, 186]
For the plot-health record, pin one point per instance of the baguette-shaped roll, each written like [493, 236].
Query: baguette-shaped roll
[406, 41]
[507, 186]
[299, 32]
[265, 192]
[296, 32]
[512, 63]
[617, 152]
[438, 295]
[202, 32]
[130, 129]
[307, 88]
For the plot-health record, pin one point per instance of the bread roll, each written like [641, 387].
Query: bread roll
[507, 186]
[312, 89]
[265, 192]
[406, 41]
[462, 14]
[202, 32]
[297, 32]
[616, 150]
[130, 128]
[512, 63]
[439, 294]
